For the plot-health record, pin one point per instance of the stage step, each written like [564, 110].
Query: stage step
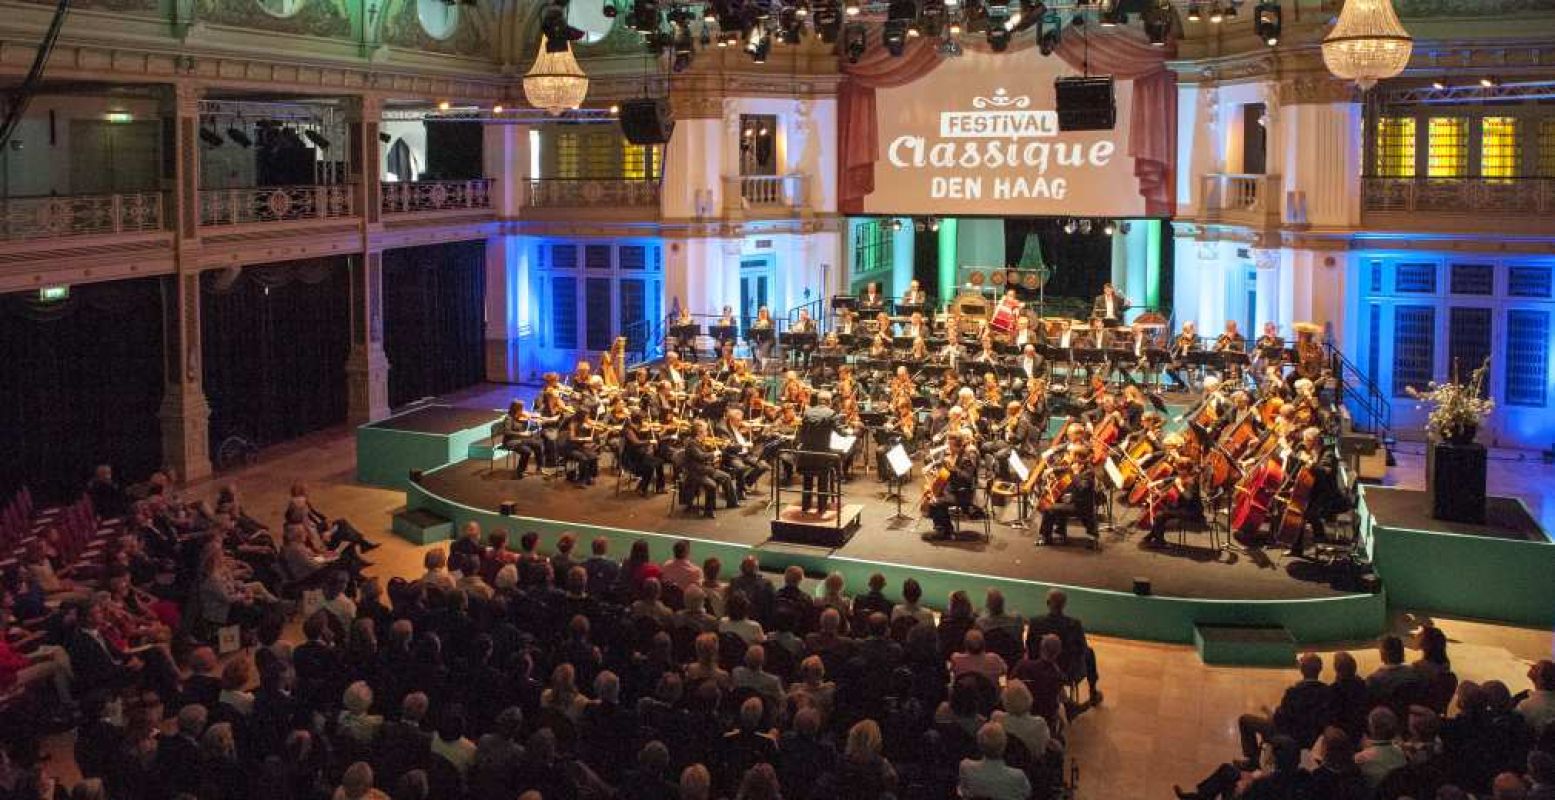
[421, 526]
[1245, 645]
[480, 450]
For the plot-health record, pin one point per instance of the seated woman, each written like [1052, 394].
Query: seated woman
[575, 443]
[340, 531]
[520, 436]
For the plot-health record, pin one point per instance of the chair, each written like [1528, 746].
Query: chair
[497, 450]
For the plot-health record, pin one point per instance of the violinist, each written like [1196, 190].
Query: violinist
[966, 400]
[1308, 411]
[638, 387]
[580, 376]
[958, 486]
[704, 400]
[902, 386]
[950, 388]
[847, 386]
[760, 334]
[1132, 405]
[726, 365]
[1325, 493]
[794, 390]
[520, 436]
[1186, 342]
[900, 429]
[1017, 435]
[1172, 499]
[575, 444]
[739, 456]
[1079, 501]
[553, 412]
[992, 392]
[638, 456]
[742, 375]
[675, 372]
[662, 403]
[1035, 406]
[702, 472]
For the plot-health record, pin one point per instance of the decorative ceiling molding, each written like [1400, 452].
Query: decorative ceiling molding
[326, 18]
[1470, 8]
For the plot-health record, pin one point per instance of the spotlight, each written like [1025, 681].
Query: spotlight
[1050, 31]
[385, 138]
[899, 18]
[1438, 84]
[316, 138]
[855, 38]
[1069, 227]
[896, 224]
[1125, 227]
[1215, 14]
[1158, 24]
[645, 16]
[1266, 22]
[934, 224]
[496, 109]
[1109, 228]
[1488, 82]
[239, 137]
[210, 137]
[1195, 13]
[614, 109]
[851, 8]
[954, 29]
[1112, 14]
[444, 105]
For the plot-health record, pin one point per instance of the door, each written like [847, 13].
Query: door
[755, 288]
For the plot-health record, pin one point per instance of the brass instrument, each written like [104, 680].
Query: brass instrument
[1222, 342]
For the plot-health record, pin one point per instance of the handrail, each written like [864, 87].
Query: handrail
[1358, 392]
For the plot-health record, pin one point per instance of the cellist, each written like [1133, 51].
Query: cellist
[1325, 486]
[1079, 500]
[1171, 499]
[958, 487]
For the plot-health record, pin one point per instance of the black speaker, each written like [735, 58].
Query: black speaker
[1142, 587]
[508, 508]
[1458, 483]
[647, 120]
[1086, 104]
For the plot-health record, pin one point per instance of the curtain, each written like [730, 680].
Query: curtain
[80, 384]
[1123, 53]
[434, 308]
[275, 342]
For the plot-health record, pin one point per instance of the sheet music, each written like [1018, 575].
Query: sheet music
[1018, 467]
[841, 443]
[900, 462]
[1113, 473]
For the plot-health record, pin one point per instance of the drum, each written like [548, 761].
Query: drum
[1003, 319]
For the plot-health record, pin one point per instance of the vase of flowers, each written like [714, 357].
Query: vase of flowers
[1457, 407]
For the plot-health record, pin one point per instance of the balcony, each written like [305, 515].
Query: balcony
[1238, 199]
[600, 193]
[780, 195]
[59, 216]
[271, 204]
[1510, 205]
[419, 197]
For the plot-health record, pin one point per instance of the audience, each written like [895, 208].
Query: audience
[661, 682]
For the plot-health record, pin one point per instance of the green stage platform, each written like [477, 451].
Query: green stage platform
[424, 438]
[1503, 570]
[1321, 615]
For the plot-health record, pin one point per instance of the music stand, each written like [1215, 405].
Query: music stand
[723, 333]
[841, 301]
[1021, 472]
[901, 466]
[908, 309]
[688, 334]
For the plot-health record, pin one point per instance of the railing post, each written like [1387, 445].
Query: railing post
[116, 213]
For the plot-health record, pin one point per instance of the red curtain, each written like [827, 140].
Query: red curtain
[1121, 53]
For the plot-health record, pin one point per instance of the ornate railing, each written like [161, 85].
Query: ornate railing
[276, 204]
[764, 191]
[1531, 196]
[590, 192]
[410, 197]
[79, 215]
[1245, 199]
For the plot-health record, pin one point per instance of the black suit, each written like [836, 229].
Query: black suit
[1081, 504]
[1304, 711]
[1120, 305]
[702, 475]
[815, 431]
[95, 660]
[959, 490]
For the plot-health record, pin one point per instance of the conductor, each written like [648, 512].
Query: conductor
[1110, 306]
[816, 464]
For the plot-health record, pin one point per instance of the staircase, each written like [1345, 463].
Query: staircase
[1366, 410]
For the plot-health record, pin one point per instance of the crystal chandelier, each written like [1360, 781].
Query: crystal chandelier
[1368, 43]
[556, 83]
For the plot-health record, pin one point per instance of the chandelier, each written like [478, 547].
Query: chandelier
[556, 83]
[1368, 43]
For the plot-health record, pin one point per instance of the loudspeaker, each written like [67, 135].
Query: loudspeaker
[1457, 488]
[647, 120]
[1142, 587]
[508, 508]
[1086, 104]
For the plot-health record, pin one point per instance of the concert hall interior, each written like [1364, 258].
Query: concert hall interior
[753, 399]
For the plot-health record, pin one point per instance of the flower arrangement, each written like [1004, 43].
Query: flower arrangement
[1457, 408]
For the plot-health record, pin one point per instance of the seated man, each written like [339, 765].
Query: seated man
[989, 777]
[1078, 659]
[1304, 711]
[958, 490]
[1079, 501]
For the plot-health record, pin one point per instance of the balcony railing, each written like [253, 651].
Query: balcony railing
[276, 204]
[58, 216]
[1478, 196]
[764, 192]
[591, 192]
[411, 197]
[1242, 199]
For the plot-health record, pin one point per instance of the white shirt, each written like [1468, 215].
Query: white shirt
[1538, 709]
[680, 572]
[991, 778]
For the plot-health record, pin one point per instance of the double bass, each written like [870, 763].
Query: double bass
[1255, 495]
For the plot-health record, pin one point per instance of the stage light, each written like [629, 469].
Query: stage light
[609, 10]
[1112, 14]
[1215, 14]
[614, 109]
[1438, 84]
[1487, 82]
[851, 8]
[1158, 21]
[954, 29]
[1050, 32]
[385, 138]
[210, 137]
[1085, 226]
[854, 40]
[239, 137]
[1195, 13]
[444, 105]
[1109, 228]
[496, 109]
[934, 224]
[899, 18]
[645, 16]
[1070, 227]
[1267, 22]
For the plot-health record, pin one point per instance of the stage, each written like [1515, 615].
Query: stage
[1191, 584]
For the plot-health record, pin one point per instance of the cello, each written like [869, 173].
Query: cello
[1255, 495]
[1287, 531]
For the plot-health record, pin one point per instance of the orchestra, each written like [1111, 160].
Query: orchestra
[1067, 417]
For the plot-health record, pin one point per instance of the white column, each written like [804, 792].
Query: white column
[1320, 163]
[692, 185]
[505, 151]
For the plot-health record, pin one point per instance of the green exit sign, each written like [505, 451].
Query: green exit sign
[53, 294]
